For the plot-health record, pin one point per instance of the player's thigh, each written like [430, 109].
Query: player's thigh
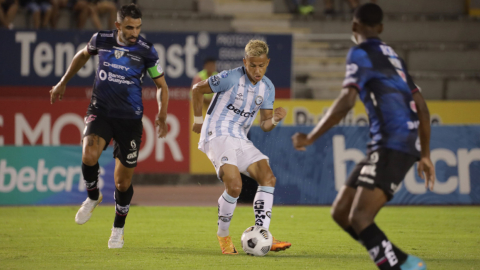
[343, 202]
[231, 178]
[96, 136]
[222, 151]
[127, 135]
[122, 175]
[365, 207]
[262, 173]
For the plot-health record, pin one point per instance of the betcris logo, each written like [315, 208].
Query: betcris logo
[242, 112]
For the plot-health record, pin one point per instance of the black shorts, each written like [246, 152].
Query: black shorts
[126, 133]
[383, 168]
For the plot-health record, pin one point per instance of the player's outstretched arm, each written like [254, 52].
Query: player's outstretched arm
[425, 168]
[78, 62]
[162, 99]
[198, 90]
[342, 105]
[270, 118]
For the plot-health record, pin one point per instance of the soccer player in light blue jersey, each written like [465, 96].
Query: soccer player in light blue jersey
[240, 94]
[116, 110]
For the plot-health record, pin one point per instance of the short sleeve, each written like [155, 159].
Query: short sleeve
[152, 63]
[92, 45]
[358, 70]
[268, 103]
[223, 81]
[413, 87]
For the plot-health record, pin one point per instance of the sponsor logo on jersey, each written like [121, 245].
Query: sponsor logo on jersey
[239, 96]
[107, 64]
[143, 44]
[351, 69]
[111, 77]
[413, 124]
[259, 100]
[90, 118]
[215, 80]
[242, 112]
[118, 54]
[134, 57]
[132, 155]
[120, 49]
[106, 34]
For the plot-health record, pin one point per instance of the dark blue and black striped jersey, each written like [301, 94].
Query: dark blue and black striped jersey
[386, 89]
[117, 90]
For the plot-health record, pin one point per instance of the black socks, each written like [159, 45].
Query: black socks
[383, 253]
[90, 175]
[122, 205]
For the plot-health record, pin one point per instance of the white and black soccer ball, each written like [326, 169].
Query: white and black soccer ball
[256, 241]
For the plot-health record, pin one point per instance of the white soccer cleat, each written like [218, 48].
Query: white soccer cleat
[116, 238]
[85, 211]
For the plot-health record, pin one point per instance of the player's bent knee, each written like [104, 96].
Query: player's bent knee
[234, 188]
[89, 159]
[359, 219]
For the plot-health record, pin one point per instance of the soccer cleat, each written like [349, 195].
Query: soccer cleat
[413, 263]
[116, 238]
[278, 245]
[85, 211]
[226, 245]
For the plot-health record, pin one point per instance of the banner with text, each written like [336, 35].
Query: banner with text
[36, 122]
[314, 177]
[33, 175]
[40, 58]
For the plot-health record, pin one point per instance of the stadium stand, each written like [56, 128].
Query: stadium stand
[437, 39]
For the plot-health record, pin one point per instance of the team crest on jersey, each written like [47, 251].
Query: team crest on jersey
[224, 74]
[259, 100]
[119, 54]
[224, 159]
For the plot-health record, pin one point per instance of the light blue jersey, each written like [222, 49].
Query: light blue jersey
[235, 104]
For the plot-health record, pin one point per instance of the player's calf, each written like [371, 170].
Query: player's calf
[122, 206]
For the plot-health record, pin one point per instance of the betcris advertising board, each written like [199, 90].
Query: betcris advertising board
[49, 175]
[40, 58]
[315, 176]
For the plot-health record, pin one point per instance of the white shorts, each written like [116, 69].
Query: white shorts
[229, 150]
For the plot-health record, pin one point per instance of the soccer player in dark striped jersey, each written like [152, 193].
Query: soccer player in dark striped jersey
[116, 110]
[400, 133]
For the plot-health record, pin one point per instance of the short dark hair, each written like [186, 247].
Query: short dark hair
[130, 10]
[369, 14]
[209, 60]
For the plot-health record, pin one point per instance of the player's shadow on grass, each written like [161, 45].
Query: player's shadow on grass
[291, 253]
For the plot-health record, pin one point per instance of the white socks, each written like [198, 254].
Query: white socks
[226, 206]
[262, 206]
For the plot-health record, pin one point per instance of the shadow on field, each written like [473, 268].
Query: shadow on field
[271, 255]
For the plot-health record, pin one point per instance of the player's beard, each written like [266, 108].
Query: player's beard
[128, 42]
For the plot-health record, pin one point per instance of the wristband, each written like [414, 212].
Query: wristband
[274, 122]
[198, 119]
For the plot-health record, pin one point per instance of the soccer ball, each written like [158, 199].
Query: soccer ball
[256, 241]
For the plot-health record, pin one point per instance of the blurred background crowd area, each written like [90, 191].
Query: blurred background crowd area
[439, 39]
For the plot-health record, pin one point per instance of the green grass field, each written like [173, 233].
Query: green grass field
[184, 238]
